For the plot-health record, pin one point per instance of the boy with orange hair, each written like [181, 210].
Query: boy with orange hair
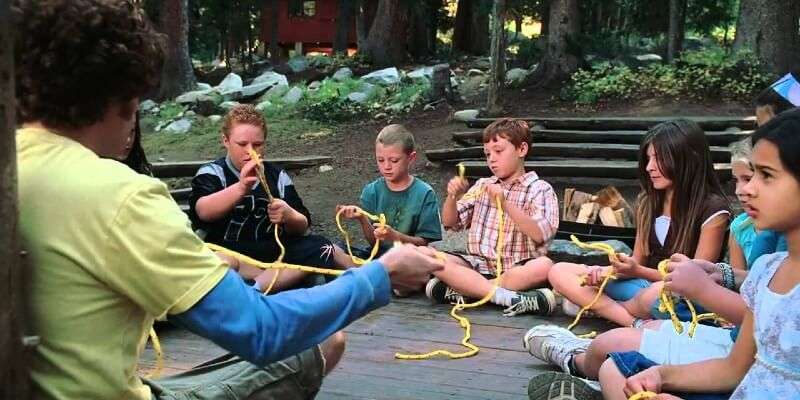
[530, 210]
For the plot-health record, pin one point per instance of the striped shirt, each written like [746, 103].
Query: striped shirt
[478, 213]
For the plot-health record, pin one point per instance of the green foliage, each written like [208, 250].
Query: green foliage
[170, 110]
[709, 74]
[527, 52]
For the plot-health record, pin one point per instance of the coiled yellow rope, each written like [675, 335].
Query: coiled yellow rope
[643, 396]
[464, 321]
[380, 219]
[612, 256]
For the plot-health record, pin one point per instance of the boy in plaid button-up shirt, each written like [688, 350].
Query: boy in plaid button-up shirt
[530, 209]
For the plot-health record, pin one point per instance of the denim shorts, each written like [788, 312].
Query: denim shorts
[632, 362]
[625, 289]
[298, 377]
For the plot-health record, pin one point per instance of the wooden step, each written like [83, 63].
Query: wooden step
[719, 138]
[189, 168]
[563, 150]
[626, 123]
[620, 169]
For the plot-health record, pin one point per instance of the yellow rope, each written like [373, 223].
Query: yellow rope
[612, 256]
[464, 321]
[643, 395]
[380, 219]
[156, 372]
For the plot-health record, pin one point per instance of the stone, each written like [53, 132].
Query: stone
[648, 57]
[180, 126]
[357, 97]
[342, 74]
[204, 86]
[381, 115]
[325, 168]
[484, 63]
[207, 104]
[566, 251]
[428, 107]
[263, 105]
[275, 92]
[228, 105]
[293, 95]
[215, 118]
[189, 113]
[421, 73]
[368, 88]
[314, 85]
[191, 97]
[298, 64]
[147, 105]
[232, 83]
[475, 72]
[386, 76]
[465, 115]
[271, 77]
[516, 76]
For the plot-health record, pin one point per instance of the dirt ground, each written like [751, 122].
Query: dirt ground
[352, 146]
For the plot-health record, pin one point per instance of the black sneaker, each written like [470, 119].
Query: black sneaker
[561, 386]
[439, 292]
[538, 301]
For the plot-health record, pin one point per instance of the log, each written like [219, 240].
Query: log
[625, 123]
[189, 168]
[563, 150]
[719, 138]
[582, 168]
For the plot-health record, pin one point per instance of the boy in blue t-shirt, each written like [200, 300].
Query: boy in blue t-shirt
[410, 205]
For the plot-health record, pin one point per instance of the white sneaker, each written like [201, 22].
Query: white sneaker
[554, 345]
[559, 386]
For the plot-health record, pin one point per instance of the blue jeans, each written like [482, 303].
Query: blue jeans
[632, 362]
[625, 289]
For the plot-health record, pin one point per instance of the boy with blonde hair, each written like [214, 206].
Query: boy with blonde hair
[530, 209]
[411, 206]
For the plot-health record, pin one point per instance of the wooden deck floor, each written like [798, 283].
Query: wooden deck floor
[369, 370]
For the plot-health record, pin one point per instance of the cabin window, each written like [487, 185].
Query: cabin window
[300, 8]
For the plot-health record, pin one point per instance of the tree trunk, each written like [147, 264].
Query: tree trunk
[471, 29]
[343, 25]
[562, 55]
[361, 24]
[544, 11]
[420, 24]
[498, 71]
[13, 357]
[177, 76]
[386, 42]
[274, 50]
[770, 29]
[677, 21]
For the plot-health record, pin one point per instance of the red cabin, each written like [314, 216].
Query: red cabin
[305, 25]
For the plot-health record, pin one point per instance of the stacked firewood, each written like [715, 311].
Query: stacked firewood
[606, 207]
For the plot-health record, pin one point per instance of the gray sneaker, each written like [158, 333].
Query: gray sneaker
[554, 345]
[561, 386]
[537, 301]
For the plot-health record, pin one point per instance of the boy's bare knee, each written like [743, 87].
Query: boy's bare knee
[333, 349]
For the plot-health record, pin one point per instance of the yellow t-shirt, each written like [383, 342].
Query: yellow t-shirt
[109, 251]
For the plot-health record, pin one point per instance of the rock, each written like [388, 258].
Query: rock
[191, 97]
[566, 251]
[298, 64]
[314, 85]
[252, 91]
[271, 77]
[203, 86]
[180, 126]
[381, 115]
[325, 168]
[293, 95]
[472, 84]
[648, 57]
[227, 105]
[642, 60]
[342, 74]
[465, 115]
[208, 104]
[263, 105]
[189, 113]
[368, 88]
[428, 107]
[275, 92]
[421, 73]
[147, 105]
[484, 63]
[214, 118]
[475, 72]
[357, 97]
[516, 76]
[155, 110]
[386, 76]
[232, 83]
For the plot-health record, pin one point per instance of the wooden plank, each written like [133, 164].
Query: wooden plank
[625, 123]
[538, 136]
[563, 150]
[189, 168]
[619, 169]
[180, 195]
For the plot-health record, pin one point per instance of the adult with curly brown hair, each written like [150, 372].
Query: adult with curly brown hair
[111, 251]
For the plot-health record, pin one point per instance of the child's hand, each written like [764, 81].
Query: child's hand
[687, 278]
[350, 212]
[248, 176]
[495, 191]
[278, 211]
[457, 187]
[596, 275]
[625, 265]
[710, 268]
[385, 233]
[648, 380]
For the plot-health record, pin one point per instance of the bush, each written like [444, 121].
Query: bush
[706, 74]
